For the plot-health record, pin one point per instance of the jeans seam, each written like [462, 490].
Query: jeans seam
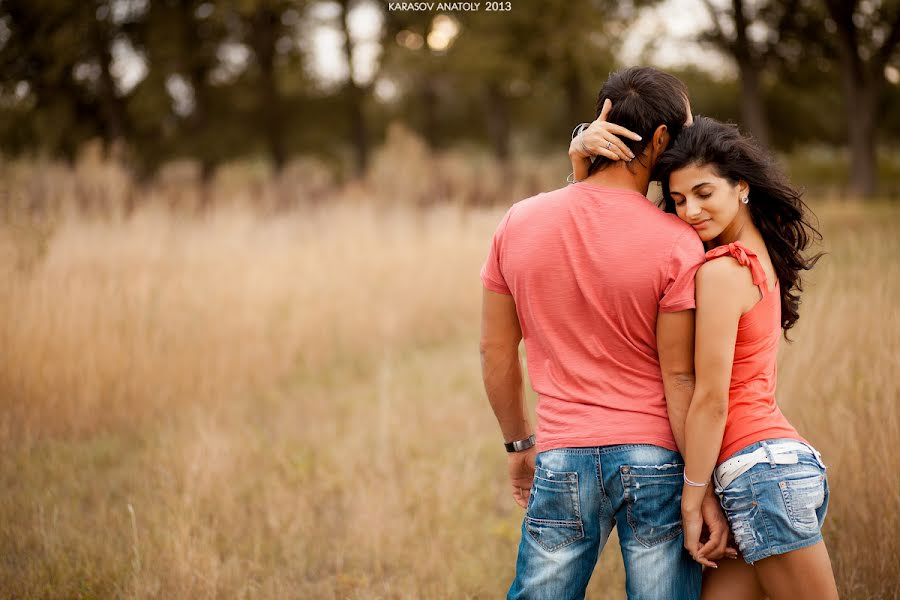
[605, 503]
[759, 511]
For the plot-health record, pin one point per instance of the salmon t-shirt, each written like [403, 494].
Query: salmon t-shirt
[753, 414]
[590, 268]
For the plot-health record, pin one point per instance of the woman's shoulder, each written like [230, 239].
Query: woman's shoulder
[727, 270]
[736, 255]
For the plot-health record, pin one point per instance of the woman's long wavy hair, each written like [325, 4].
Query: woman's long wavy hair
[775, 206]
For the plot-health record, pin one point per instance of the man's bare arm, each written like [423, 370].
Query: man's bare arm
[675, 345]
[502, 374]
[500, 366]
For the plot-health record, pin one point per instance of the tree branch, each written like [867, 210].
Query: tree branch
[718, 34]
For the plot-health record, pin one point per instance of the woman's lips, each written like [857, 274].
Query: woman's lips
[701, 224]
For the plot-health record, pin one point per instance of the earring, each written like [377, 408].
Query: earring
[745, 199]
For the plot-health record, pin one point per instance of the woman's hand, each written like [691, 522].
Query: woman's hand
[692, 519]
[601, 138]
[702, 518]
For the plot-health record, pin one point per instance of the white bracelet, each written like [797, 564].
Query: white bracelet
[583, 147]
[693, 483]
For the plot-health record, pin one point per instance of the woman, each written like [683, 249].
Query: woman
[770, 481]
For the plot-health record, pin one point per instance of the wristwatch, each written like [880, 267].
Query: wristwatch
[519, 445]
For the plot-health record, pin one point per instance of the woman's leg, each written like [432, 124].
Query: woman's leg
[803, 574]
[733, 580]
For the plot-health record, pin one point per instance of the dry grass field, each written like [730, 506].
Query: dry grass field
[289, 405]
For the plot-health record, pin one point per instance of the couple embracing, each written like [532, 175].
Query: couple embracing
[651, 338]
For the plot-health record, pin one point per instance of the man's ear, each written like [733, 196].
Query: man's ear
[658, 143]
[661, 139]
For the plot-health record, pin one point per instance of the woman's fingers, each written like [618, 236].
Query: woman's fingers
[604, 112]
[603, 143]
[606, 136]
[622, 132]
[603, 138]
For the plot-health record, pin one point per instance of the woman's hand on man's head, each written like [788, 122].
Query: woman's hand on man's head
[602, 138]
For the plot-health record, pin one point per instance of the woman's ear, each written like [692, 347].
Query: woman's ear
[743, 189]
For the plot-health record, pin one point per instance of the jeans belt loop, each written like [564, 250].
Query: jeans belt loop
[769, 456]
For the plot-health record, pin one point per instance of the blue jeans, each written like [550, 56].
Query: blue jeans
[578, 495]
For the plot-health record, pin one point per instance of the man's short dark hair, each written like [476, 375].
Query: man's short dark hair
[643, 98]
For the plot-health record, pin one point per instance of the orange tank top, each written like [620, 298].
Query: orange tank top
[753, 415]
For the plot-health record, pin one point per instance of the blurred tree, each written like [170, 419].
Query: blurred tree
[868, 34]
[57, 57]
[752, 33]
[409, 62]
[536, 63]
[355, 93]
[269, 28]
[178, 113]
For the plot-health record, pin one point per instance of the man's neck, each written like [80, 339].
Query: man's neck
[618, 176]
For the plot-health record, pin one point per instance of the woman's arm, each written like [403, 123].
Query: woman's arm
[601, 138]
[719, 309]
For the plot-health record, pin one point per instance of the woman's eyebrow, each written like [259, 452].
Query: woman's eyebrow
[700, 185]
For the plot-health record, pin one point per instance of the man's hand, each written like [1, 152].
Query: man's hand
[521, 474]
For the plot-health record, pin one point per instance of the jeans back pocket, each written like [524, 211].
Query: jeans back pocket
[653, 499]
[803, 496]
[553, 517]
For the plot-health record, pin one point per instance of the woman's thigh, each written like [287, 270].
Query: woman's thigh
[803, 574]
[733, 580]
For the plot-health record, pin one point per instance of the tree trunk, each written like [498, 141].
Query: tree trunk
[429, 98]
[497, 120]
[355, 99]
[753, 112]
[573, 90]
[111, 105]
[862, 84]
[265, 31]
[861, 93]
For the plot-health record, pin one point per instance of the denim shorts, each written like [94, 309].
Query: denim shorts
[776, 508]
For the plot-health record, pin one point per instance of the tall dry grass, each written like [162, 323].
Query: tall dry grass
[289, 405]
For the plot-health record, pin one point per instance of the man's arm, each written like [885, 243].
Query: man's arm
[502, 375]
[500, 367]
[675, 345]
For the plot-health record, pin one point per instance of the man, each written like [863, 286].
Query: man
[599, 282]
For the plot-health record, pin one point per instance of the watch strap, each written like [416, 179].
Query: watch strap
[519, 445]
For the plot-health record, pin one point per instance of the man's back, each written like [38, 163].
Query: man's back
[589, 268]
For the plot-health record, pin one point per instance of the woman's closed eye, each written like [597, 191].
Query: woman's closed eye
[701, 196]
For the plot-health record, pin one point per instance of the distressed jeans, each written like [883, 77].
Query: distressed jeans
[578, 496]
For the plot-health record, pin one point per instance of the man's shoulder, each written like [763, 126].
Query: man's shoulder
[540, 204]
